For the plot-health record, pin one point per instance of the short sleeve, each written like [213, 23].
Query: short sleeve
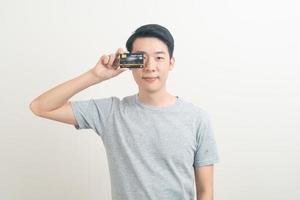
[92, 114]
[206, 152]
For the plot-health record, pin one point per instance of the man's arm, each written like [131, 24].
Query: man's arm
[204, 182]
[54, 104]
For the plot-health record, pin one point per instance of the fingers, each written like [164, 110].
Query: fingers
[112, 60]
[104, 59]
[120, 51]
[117, 57]
[107, 60]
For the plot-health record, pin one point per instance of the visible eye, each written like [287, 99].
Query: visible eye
[160, 58]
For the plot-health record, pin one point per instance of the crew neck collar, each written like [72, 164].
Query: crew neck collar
[146, 106]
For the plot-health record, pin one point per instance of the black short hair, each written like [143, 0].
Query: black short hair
[152, 30]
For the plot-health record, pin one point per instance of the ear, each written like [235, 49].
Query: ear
[172, 63]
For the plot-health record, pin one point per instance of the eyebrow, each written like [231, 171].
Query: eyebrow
[157, 52]
[160, 52]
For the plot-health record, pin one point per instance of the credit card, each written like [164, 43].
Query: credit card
[131, 60]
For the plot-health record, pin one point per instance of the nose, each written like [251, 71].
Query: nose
[150, 64]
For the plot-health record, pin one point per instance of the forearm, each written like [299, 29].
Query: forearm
[59, 95]
[205, 196]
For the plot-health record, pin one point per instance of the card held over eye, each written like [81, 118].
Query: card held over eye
[131, 60]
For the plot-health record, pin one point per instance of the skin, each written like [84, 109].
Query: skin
[158, 63]
[204, 182]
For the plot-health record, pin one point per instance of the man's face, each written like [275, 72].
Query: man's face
[157, 64]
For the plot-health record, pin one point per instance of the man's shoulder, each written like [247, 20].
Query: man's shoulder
[193, 108]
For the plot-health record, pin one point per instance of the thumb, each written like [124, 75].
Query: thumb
[123, 69]
[120, 70]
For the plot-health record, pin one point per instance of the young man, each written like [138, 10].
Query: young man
[157, 144]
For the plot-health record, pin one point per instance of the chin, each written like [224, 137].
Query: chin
[150, 90]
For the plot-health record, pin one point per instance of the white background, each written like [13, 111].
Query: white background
[238, 60]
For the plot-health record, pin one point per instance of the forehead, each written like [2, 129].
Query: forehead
[149, 45]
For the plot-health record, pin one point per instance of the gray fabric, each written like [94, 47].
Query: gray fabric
[151, 151]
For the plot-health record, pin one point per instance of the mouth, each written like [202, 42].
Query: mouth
[150, 79]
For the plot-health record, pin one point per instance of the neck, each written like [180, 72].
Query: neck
[160, 98]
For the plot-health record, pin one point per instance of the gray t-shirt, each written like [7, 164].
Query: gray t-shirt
[151, 151]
